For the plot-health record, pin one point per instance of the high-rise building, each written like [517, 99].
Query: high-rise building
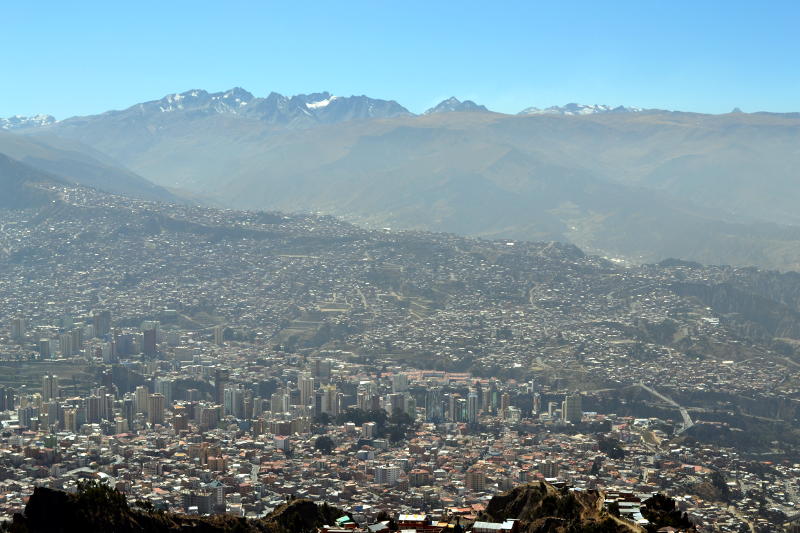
[107, 407]
[65, 344]
[387, 475]
[571, 409]
[367, 397]
[411, 407]
[472, 407]
[220, 380]
[234, 401]
[486, 400]
[494, 396]
[219, 335]
[198, 502]
[330, 400]
[279, 402]
[155, 409]
[505, 402]
[433, 404]
[102, 323]
[149, 342]
[475, 480]
[121, 425]
[452, 399]
[321, 368]
[93, 409]
[537, 403]
[165, 386]
[28, 416]
[395, 403]
[77, 340]
[129, 409]
[368, 430]
[305, 382]
[142, 396]
[71, 420]
[4, 399]
[50, 415]
[44, 348]
[50, 389]
[399, 383]
[18, 329]
[548, 469]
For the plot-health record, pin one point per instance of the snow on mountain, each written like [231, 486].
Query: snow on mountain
[320, 103]
[19, 122]
[197, 99]
[302, 110]
[297, 111]
[579, 109]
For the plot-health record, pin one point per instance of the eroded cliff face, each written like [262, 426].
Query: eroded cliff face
[748, 313]
[541, 508]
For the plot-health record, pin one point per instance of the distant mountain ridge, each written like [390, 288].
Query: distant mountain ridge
[297, 110]
[579, 109]
[453, 104]
[19, 121]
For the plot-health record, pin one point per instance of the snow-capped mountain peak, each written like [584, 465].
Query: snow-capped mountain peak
[579, 109]
[20, 122]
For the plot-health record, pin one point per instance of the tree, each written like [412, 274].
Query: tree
[323, 419]
[721, 484]
[611, 447]
[399, 423]
[324, 444]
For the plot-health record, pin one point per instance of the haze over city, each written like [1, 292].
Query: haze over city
[363, 267]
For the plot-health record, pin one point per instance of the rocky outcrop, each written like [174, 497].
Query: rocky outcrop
[541, 508]
[99, 508]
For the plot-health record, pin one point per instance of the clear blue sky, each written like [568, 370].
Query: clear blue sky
[73, 58]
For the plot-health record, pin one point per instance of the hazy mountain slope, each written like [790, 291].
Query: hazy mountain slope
[644, 185]
[409, 175]
[738, 163]
[744, 164]
[75, 163]
[23, 186]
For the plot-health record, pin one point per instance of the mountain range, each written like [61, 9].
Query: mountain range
[298, 110]
[19, 121]
[639, 185]
[579, 109]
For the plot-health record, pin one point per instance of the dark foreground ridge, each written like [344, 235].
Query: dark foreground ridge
[97, 508]
[532, 508]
